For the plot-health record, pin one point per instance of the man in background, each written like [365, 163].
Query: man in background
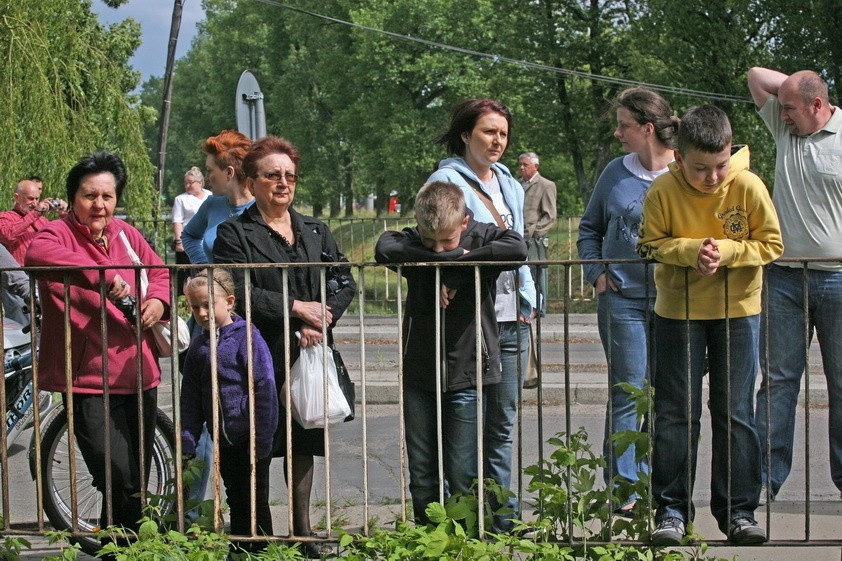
[807, 130]
[539, 218]
[19, 225]
[17, 228]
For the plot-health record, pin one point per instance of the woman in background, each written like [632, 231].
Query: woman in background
[183, 209]
[477, 137]
[608, 230]
[224, 155]
[271, 231]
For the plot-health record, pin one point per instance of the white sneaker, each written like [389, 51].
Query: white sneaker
[763, 496]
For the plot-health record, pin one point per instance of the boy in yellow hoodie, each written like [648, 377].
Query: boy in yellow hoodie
[710, 224]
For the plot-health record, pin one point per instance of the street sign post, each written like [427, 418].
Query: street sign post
[251, 118]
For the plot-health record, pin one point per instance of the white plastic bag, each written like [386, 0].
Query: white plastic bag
[306, 380]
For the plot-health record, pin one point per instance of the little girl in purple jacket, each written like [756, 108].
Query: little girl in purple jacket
[233, 404]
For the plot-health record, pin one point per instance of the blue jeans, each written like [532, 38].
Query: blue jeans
[787, 359]
[631, 322]
[734, 479]
[459, 441]
[500, 412]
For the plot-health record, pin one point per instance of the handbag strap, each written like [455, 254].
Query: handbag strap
[486, 200]
[135, 259]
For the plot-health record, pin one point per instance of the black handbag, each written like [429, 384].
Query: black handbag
[345, 382]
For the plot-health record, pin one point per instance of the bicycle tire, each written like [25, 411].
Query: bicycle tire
[55, 470]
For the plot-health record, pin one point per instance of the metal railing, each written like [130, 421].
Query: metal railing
[362, 481]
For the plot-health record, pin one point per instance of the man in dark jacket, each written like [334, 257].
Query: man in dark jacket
[442, 364]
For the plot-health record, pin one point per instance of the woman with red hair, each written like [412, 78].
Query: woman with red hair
[224, 155]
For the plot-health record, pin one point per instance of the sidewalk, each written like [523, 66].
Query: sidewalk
[587, 376]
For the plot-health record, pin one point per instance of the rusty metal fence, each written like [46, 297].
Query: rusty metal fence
[362, 484]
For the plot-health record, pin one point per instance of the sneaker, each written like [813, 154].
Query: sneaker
[762, 500]
[745, 531]
[626, 511]
[670, 531]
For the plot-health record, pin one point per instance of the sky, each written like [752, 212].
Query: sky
[155, 17]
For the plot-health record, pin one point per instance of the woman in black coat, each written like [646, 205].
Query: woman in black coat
[270, 231]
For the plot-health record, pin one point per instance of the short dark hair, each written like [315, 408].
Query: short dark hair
[464, 117]
[98, 162]
[705, 128]
[266, 146]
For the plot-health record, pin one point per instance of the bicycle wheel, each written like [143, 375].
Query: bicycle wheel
[55, 469]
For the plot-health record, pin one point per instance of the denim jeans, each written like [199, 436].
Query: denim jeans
[459, 441]
[735, 469]
[501, 402]
[787, 359]
[631, 322]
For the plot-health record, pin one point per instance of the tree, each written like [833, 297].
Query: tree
[66, 93]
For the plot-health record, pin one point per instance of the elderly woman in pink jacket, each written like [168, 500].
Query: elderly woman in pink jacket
[89, 235]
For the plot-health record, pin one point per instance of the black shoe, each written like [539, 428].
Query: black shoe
[670, 531]
[745, 531]
[626, 511]
[315, 550]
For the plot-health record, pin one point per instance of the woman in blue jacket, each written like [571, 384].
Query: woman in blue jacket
[477, 137]
[608, 230]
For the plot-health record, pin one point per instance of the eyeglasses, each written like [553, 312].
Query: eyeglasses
[275, 176]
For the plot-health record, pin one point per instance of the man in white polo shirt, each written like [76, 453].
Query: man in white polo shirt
[808, 197]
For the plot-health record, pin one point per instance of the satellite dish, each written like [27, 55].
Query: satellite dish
[251, 119]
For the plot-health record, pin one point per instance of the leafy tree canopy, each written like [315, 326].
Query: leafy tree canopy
[65, 94]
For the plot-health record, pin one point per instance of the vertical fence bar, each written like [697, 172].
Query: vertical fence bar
[363, 402]
[568, 427]
[439, 386]
[287, 398]
[478, 343]
[4, 446]
[401, 423]
[252, 405]
[71, 435]
[325, 392]
[216, 420]
[805, 306]
[176, 397]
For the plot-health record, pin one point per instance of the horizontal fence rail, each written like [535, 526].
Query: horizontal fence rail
[362, 483]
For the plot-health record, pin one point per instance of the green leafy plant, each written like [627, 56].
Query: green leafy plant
[153, 541]
[12, 547]
[69, 550]
[443, 538]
